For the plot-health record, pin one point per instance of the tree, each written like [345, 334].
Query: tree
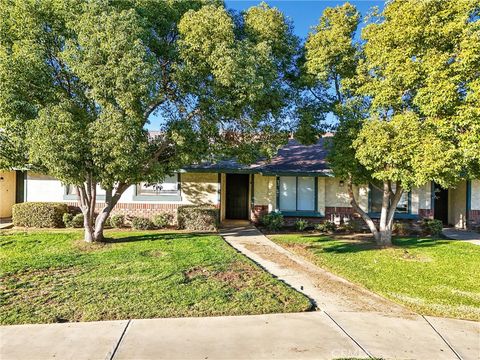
[407, 103]
[81, 79]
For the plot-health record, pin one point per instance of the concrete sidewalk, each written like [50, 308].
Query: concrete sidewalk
[314, 335]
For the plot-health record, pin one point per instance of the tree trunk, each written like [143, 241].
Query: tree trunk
[368, 220]
[382, 234]
[389, 205]
[110, 202]
[87, 195]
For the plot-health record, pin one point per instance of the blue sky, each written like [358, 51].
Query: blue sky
[304, 15]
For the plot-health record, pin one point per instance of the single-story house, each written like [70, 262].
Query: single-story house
[297, 182]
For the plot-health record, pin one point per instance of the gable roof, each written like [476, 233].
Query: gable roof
[292, 159]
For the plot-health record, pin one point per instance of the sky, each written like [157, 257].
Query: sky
[303, 13]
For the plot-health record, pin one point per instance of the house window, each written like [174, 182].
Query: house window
[169, 186]
[296, 193]
[72, 194]
[376, 197]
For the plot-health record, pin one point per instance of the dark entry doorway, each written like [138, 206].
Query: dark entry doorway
[237, 196]
[441, 204]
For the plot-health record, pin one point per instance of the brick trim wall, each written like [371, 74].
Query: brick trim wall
[474, 218]
[137, 209]
[134, 209]
[425, 213]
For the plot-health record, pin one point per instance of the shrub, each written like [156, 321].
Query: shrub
[432, 227]
[141, 223]
[117, 221]
[67, 220]
[77, 221]
[326, 227]
[162, 220]
[39, 214]
[301, 224]
[273, 221]
[401, 229]
[194, 217]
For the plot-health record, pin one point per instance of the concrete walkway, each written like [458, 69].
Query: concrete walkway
[462, 235]
[379, 326]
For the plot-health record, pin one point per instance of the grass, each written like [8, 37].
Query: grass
[55, 277]
[429, 276]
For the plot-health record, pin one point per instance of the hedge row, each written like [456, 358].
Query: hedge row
[55, 215]
[39, 214]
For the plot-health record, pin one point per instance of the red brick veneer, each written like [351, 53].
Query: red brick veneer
[474, 219]
[425, 213]
[135, 209]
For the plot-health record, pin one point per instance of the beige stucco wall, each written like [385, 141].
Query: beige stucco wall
[199, 188]
[265, 191]
[336, 195]
[321, 200]
[196, 188]
[475, 201]
[7, 193]
[457, 205]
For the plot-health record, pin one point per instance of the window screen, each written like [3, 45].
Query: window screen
[306, 193]
[297, 193]
[288, 193]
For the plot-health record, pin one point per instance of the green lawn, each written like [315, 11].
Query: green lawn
[52, 276]
[432, 277]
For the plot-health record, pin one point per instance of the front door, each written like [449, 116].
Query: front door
[441, 204]
[237, 196]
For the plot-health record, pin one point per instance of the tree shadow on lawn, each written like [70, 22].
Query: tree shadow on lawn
[355, 246]
[157, 237]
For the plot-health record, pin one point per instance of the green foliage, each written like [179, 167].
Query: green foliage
[432, 227]
[406, 96]
[117, 221]
[330, 53]
[417, 72]
[162, 220]
[141, 223]
[80, 81]
[402, 228]
[326, 227]
[273, 221]
[77, 220]
[39, 214]
[301, 224]
[67, 219]
[198, 218]
[330, 61]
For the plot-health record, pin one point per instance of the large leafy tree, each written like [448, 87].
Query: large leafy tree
[406, 97]
[79, 81]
